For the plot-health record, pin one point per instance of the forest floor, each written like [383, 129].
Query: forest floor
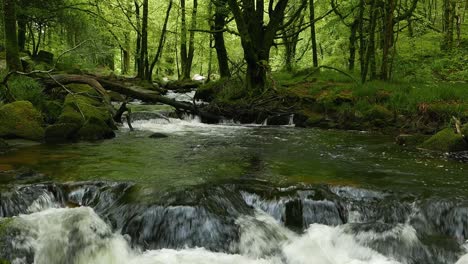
[333, 100]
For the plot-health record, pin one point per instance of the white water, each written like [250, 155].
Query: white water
[79, 236]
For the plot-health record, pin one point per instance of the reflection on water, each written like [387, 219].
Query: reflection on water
[196, 153]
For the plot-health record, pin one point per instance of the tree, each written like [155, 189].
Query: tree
[186, 54]
[11, 38]
[220, 17]
[257, 38]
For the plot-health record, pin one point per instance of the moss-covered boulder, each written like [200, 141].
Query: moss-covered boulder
[378, 115]
[52, 110]
[465, 131]
[410, 139]
[209, 91]
[82, 117]
[61, 132]
[445, 141]
[20, 119]
[95, 131]
[308, 118]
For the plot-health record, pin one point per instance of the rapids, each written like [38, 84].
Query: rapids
[228, 193]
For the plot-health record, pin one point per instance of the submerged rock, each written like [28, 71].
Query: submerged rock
[20, 119]
[446, 141]
[158, 135]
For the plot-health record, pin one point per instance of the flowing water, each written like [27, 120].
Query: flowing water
[228, 193]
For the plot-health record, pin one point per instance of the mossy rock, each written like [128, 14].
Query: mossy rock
[84, 118]
[209, 91]
[378, 112]
[337, 98]
[82, 89]
[52, 110]
[464, 130]
[20, 119]
[378, 116]
[308, 118]
[445, 141]
[95, 131]
[410, 140]
[61, 132]
[79, 108]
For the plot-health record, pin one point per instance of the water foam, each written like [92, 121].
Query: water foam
[79, 236]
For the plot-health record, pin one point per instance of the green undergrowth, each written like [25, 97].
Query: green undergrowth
[440, 99]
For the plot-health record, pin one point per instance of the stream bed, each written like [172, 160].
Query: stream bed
[228, 193]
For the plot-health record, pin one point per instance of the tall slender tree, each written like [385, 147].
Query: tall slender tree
[11, 38]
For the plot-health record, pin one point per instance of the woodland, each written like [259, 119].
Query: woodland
[394, 66]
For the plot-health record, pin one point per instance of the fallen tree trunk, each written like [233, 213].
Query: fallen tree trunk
[136, 93]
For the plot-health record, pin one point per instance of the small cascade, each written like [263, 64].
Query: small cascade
[228, 224]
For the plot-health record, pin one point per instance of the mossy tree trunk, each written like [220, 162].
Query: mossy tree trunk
[11, 39]
[257, 38]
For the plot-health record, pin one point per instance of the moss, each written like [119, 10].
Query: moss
[209, 91]
[446, 141]
[61, 132]
[313, 118]
[78, 109]
[52, 110]
[21, 119]
[82, 89]
[95, 131]
[378, 112]
[410, 140]
[464, 130]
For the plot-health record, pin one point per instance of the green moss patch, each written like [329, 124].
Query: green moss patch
[20, 119]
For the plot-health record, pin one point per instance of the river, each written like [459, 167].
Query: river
[230, 193]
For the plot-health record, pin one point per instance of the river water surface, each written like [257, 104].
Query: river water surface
[232, 194]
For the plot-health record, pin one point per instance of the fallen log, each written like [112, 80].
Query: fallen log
[136, 93]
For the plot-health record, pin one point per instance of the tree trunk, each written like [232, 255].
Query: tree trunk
[191, 50]
[162, 41]
[387, 38]
[144, 44]
[257, 38]
[313, 33]
[221, 52]
[352, 45]
[183, 39]
[22, 33]
[11, 39]
[138, 67]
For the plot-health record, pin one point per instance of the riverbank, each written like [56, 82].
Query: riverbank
[335, 101]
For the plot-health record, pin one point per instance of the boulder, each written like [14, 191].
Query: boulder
[410, 140]
[279, 120]
[84, 118]
[308, 118]
[378, 115]
[20, 119]
[464, 131]
[45, 56]
[445, 141]
[158, 135]
[61, 132]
